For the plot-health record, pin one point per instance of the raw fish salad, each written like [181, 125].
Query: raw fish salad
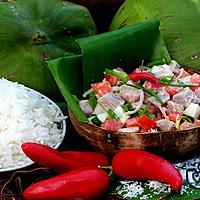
[161, 97]
[25, 115]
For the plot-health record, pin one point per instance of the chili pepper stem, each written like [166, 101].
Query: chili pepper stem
[107, 168]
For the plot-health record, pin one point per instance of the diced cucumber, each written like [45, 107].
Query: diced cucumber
[193, 110]
[102, 117]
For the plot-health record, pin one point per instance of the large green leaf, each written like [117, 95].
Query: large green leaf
[33, 31]
[180, 25]
[125, 47]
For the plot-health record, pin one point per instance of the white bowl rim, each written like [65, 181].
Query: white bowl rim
[55, 147]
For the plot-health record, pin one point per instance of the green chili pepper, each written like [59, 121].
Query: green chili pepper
[175, 84]
[113, 115]
[157, 62]
[184, 118]
[120, 74]
[150, 92]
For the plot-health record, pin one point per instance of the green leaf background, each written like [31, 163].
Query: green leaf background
[180, 25]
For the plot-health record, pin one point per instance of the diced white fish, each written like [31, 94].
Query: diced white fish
[98, 109]
[185, 97]
[134, 129]
[173, 106]
[174, 67]
[186, 125]
[129, 93]
[119, 111]
[86, 107]
[165, 125]
[103, 116]
[185, 80]
[110, 101]
[115, 89]
[164, 96]
[193, 110]
[197, 92]
[162, 70]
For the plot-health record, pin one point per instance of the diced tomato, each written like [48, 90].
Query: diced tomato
[146, 123]
[172, 90]
[111, 125]
[101, 88]
[197, 122]
[132, 122]
[174, 115]
[195, 78]
[111, 79]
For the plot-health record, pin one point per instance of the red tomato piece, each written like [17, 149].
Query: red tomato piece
[174, 115]
[101, 88]
[132, 122]
[146, 123]
[195, 78]
[172, 90]
[111, 125]
[111, 79]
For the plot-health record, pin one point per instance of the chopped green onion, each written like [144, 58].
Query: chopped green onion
[150, 115]
[166, 79]
[127, 107]
[120, 74]
[184, 118]
[95, 120]
[157, 62]
[142, 63]
[93, 101]
[150, 92]
[142, 111]
[113, 115]
[176, 84]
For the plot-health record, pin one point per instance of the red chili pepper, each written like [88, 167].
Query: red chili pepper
[140, 165]
[138, 76]
[87, 159]
[62, 161]
[84, 183]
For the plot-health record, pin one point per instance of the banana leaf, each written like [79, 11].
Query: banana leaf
[190, 189]
[125, 47]
[180, 25]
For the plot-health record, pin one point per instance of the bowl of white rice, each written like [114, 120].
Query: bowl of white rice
[26, 116]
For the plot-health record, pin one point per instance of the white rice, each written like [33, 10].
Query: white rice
[25, 116]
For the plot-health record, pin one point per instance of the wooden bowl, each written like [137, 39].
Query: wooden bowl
[173, 144]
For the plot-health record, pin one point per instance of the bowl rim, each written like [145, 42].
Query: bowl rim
[55, 146]
[121, 133]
